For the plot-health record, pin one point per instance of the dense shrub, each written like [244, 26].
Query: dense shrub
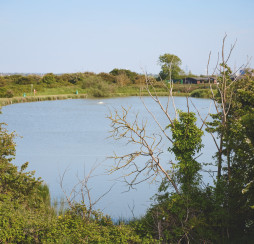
[201, 93]
[4, 92]
[107, 77]
[131, 76]
[3, 81]
[49, 79]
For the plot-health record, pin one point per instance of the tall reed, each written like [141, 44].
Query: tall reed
[8, 101]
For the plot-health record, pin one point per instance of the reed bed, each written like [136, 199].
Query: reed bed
[8, 101]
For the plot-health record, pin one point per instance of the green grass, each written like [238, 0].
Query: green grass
[61, 90]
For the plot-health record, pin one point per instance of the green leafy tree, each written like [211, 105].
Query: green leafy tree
[187, 142]
[237, 177]
[170, 66]
[233, 126]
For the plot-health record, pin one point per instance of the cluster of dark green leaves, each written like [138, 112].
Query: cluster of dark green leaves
[239, 154]
[180, 218]
[186, 144]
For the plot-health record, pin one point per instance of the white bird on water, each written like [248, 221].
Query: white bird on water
[100, 102]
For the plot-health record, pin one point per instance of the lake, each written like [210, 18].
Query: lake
[72, 136]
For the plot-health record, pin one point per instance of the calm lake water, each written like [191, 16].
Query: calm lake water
[71, 136]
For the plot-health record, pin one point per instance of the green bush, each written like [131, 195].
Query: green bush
[4, 92]
[92, 81]
[107, 77]
[201, 93]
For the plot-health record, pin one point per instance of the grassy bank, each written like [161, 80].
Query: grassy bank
[8, 101]
[120, 93]
[45, 93]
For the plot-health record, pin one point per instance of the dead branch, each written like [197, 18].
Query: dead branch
[136, 133]
[157, 100]
[81, 189]
[225, 91]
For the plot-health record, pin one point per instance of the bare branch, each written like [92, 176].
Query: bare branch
[135, 133]
[82, 189]
[163, 130]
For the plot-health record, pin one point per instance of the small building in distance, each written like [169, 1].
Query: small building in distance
[199, 80]
[247, 72]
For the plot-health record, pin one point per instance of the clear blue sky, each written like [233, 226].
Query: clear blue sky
[62, 36]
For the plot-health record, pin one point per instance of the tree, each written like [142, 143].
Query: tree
[170, 66]
[192, 211]
[235, 180]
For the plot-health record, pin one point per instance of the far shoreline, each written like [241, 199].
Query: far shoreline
[40, 98]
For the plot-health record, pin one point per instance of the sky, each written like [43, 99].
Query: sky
[65, 36]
